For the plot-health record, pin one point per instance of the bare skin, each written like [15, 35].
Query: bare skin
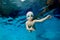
[31, 22]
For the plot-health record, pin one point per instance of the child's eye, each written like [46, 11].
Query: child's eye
[28, 16]
[31, 15]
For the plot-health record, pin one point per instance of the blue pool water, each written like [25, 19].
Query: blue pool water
[16, 30]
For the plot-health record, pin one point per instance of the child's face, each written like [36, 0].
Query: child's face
[30, 16]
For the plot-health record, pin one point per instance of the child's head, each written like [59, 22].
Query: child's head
[29, 15]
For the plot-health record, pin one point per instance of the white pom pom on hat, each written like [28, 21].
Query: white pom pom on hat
[29, 13]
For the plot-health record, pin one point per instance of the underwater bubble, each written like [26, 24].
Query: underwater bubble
[23, 0]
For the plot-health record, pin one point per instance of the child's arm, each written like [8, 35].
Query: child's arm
[27, 26]
[43, 19]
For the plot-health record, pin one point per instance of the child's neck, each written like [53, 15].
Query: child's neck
[30, 20]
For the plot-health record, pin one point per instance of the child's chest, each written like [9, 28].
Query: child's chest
[30, 23]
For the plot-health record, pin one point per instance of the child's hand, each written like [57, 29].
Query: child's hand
[32, 29]
[49, 16]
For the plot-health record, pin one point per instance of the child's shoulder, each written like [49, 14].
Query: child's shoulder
[26, 22]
